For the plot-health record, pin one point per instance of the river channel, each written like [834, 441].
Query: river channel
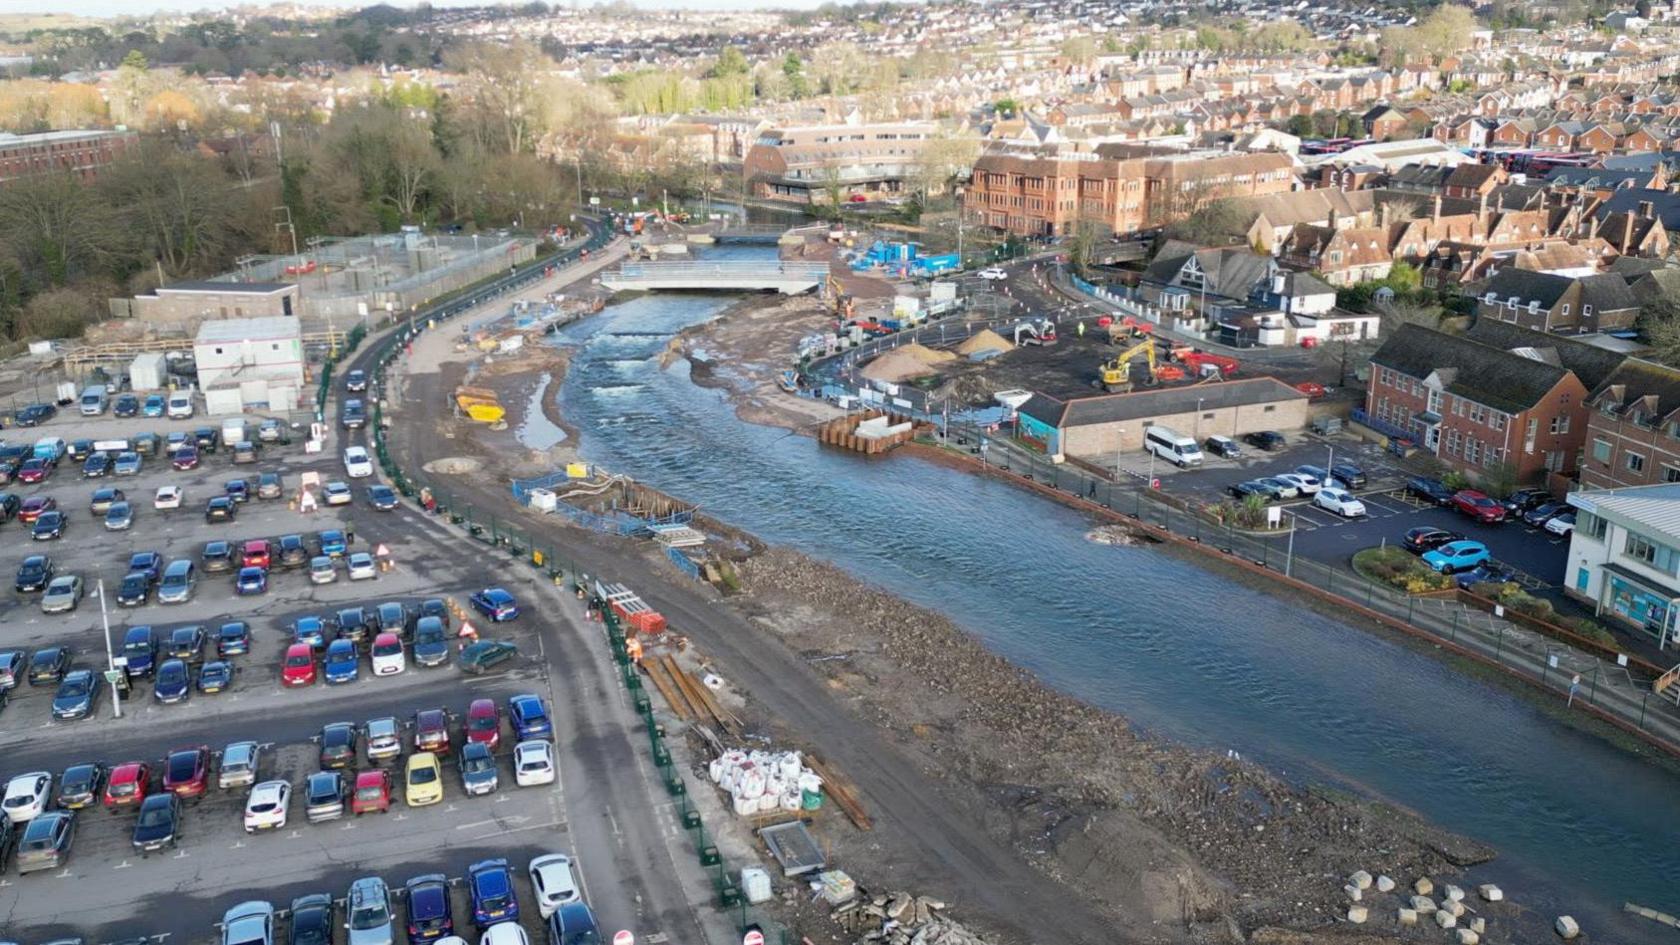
[1580, 825]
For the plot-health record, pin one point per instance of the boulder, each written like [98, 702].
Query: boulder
[1407, 916]
[1478, 925]
[1446, 920]
[1453, 907]
[1361, 879]
[1353, 892]
[1567, 927]
[1424, 886]
[1454, 893]
[1423, 904]
[1385, 884]
[1490, 892]
[1467, 937]
[1356, 914]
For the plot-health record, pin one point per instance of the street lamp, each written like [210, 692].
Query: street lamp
[1197, 432]
[111, 668]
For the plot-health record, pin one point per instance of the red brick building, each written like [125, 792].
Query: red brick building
[82, 153]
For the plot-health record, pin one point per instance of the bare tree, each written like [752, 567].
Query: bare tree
[504, 83]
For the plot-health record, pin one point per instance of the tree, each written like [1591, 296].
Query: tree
[1079, 50]
[178, 208]
[1659, 324]
[1300, 126]
[504, 83]
[135, 59]
[794, 70]
[944, 156]
[1220, 222]
[729, 62]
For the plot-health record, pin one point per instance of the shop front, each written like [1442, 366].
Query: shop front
[1642, 604]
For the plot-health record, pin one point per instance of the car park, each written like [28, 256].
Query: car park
[496, 604]
[238, 764]
[27, 796]
[34, 574]
[119, 517]
[554, 881]
[249, 923]
[233, 638]
[80, 785]
[77, 695]
[483, 656]
[429, 916]
[431, 731]
[422, 780]
[490, 884]
[168, 498]
[1339, 501]
[387, 655]
[48, 665]
[218, 557]
[484, 725]
[159, 823]
[533, 763]
[215, 676]
[45, 843]
[62, 595]
[431, 642]
[341, 663]
[186, 772]
[373, 793]
[128, 785]
[297, 668]
[529, 717]
[1563, 524]
[478, 768]
[1455, 556]
[173, 682]
[1427, 538]
[49, 527]
[382, 497]
[251, 581]
[324, 794]
[128, 463]
[382, 739]
[1479, 506]
[360, 567]
[369, 913]
[1430, 490]
[337, 745]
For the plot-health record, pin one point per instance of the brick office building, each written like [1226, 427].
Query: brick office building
[82, 153]
[1475, 405]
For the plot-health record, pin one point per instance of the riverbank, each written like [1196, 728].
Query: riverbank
[744, 351]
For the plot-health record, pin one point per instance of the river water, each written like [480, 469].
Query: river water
[1580, 825]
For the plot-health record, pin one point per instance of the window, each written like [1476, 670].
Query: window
[1635, 462]
[1478, 413]
[218, 351]
[1653, 553]
[1601, 450]
[1564, 311]
[1268, 409]
[1670, 474]
[1472, 451]
[1499, 420]
[1560, 424]
[1590, 525]
[1586, 311]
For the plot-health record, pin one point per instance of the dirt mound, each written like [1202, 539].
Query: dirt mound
[984, 340]
[906, 363]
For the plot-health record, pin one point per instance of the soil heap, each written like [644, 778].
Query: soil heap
[906, 363]
[985, 340]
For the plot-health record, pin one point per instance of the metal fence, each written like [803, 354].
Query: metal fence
[684, 563]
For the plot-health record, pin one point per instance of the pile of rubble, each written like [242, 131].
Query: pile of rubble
[901, 919]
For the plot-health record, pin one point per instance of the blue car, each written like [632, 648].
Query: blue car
[251, 581]
[493, 900]
[529, 717]
[332, 543]
[383, 498]
[76, 695]
[1455, 556]
[215, 676]
[172, 682]
[127, 464]
[431, 642]
[154, 405]
[140, 650]
[496, 604]
[311, 630]
[148, 561]
[341, 665]
[233, 638]
[429, 917]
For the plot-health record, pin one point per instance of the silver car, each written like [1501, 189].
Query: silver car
[369, 909]
[45, 844]
[62, 595]
[384, 739]
[249, 923]
[239, 765]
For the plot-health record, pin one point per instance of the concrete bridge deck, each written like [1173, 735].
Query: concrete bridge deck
[788, 278]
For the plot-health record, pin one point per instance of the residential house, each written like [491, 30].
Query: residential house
[1633, 427]
[1340, 256]
[1550, 302]
[1474, 405]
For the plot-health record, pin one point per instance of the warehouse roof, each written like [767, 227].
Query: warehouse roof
[1647, 508]
[1164, 402]
[247, 288]
[223, 330]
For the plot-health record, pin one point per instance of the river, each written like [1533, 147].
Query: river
[1580, 825]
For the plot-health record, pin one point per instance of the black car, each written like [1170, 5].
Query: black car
[9, 505]
[49, 527]
[353, 414]
[185, 643]
[355, 381]
[338, 745]
[429, 916]
[352, 624]
[1242, 490]
[1427, 538]
[159, 823]
[221, 509]
[1544, 512]
[173, 682]
[434, 607]
[233, 638]
[1268, 440]
[1523, 500]
[238, 490]
[134, 590]
[77, 695]
[218, 557]
[382, 497]
[431, 642]
[34, 574]
[1430, 490]
[34, 415]
[126, 406]
[292, 553]
[149, 563]
[48, 665]
[139, 648]
[324, 795]
[392, 617]
[312, 920]
[97, 464]
[80, 785]
[79, 450]
[207, 439]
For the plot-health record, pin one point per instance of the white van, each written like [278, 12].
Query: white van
[181, 405]
[94, 400]
[233, 431]
[1174, 447]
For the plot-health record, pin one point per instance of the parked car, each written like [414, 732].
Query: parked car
[429, 917]
[337, 493]
[496, 604]
[134, 590]
[387, 655]
[382, 739]
[310, 629]
[368, 909]
[180, 578]
[554, 881]
[218, 557]
[80, 785]
[1455, 556]
[324, 795]
[431, 642]
[298, 666]
[1281, 488]
[1427, 538]
[1350, 476]
[62, 595]
[96, 465]
[312, 920]
[215, 676]
[45, 843]
[1479, 506]
[483, 656]
[1269, 440]
[351, 623]
[77, 695]
[153, 407]
[533, 763]
[361, 567]
[484, 724]
[249, 923]
[322, 570]
[159, 823]
[186, 772]
[49, 527]
[238, 765]
[292, 552]
[382, 497]
[128, 463]
[491, 884]
[1339, 501]
[34, 507]
[1304, 483]
[34, 574]
[1543, 513]
[268, 806]
[128, 785]
[341, 664]
[331, 542]
[13, 667]
[186, 643]
[478, 769]
[1430, 490]
[220, 509]
[529, 717]
[173, 682]
[573, 924]
[251, 581]
[1522, 500]
[1563, 524]
[27, 796]
[1221, 446]
[422, 780]
[431, 731]
[1486, 573]
[269, 486]
[233, 638]
[373, 793]
[119, 517]
[337, 745]
[48, 665]
[168, 498]
[184, 459]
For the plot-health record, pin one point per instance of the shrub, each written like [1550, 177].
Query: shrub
[1397, 568]
[1455, 480]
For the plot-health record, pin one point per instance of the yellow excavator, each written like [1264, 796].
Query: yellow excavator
[1117, 373]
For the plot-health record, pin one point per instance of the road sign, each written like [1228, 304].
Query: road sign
[624, 938]
[754, 937]
[113, 676]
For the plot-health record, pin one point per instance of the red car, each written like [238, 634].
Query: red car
[483, 724]
[186, 772]
[127, 785]
[1479, 506]
[373, 793]
[184, 459]
[33, 506]
[35, 470]
[257, 553]
[431, 731]
[298, 668]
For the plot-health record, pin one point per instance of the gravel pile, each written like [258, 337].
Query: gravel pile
[902, 919]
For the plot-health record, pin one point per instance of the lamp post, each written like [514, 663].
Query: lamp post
[110, 656]
[959, 193]
[1289, 552]
[1197, 432]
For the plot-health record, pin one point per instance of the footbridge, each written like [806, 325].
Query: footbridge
[726, 275]
[761, 233]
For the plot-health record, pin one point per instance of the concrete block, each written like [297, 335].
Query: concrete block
[1490, 892]
[1567, 927]
[1424, 886]
[1452, 906]
[1454, 893]
[1478, 925]
[1423, 904]
[1467, 937]
[1361, 879]
[1407, 916]
[1385, 884]
[1357, 914]
[1446, 920]
[1353, 892]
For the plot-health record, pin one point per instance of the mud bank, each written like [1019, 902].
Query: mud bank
[743, 352]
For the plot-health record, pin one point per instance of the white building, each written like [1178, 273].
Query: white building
[250, 364]
[1624, 556]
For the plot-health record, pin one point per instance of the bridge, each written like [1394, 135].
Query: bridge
[766, 233]
[727, 275]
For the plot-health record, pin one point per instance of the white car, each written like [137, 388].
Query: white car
[1303, 483]
[322, 570]
[26, 796]
[357, 463]
[268, 805]
[337, 493]
[1340, 501]
[533, 763]
[1561, 524]
[361, 567]
[992, 273]
[168, 497]
[387, 655]
[554, 880]
[504, 933]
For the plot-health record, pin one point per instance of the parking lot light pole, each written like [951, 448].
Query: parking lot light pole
[110, 657]
[1289, 552]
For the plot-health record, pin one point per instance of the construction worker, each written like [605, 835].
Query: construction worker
[633, 646]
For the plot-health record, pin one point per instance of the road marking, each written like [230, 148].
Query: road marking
[123, 865]
[179, 855]
[400, 816]
[503, 798]
[513, 830]
[63, 875]
[348, 827]
[293, 835]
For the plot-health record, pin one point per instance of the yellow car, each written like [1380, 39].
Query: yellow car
[423, 779]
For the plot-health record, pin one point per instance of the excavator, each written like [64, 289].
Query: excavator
[1117, 373]
[481, 404]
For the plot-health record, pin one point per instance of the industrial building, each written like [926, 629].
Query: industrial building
[1099, 428]
[250, 364]
[1624, 557]
[82, 153]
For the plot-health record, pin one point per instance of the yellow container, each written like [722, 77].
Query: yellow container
[577, 470]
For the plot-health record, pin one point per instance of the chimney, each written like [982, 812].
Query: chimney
[1436, 213]
[1627, 230]
[1332, 220]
